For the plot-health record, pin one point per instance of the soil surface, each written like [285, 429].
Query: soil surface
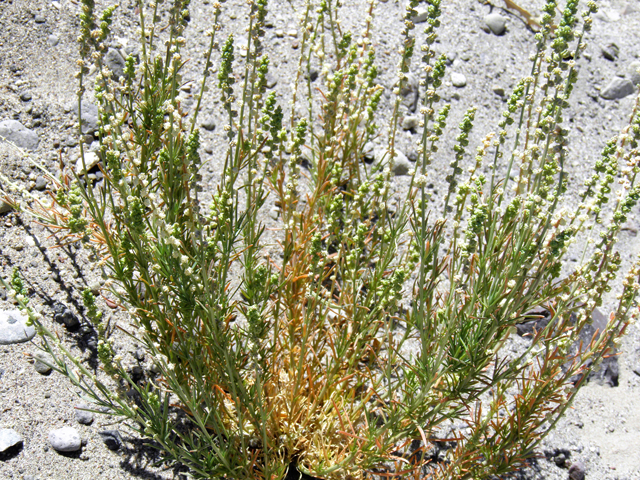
[600, 436]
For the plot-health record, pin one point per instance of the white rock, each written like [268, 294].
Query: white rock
[421, 14]
[618, 88]
[496, 23]
[13, 328]
[13, 131]
[401, 164]
[90, 158]
[9, 438]
[458, 80]
[66, 439]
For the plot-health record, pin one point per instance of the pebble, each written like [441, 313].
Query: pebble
[15, 132]
[42, 363]
[496, 23]
[634, 73]
[618, 88]
[89, 117]
[26, 96]
[41, 183]
[271, 80]
[91, 159]
[40, 19]
[66, 439]
[71, 141]
[62, 314]
[208, 124]
[115, 62]
[458, 80]
[577, 471]
[53, 40]
[83, 417]
[9, 438]
[13, 328]
[410, 93]
[410, 122]
[401, 164]
[422, 13]
[4, 207]
[111, 439]
[498, 90]
[610, 51]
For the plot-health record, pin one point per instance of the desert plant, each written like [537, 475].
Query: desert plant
[379, 320]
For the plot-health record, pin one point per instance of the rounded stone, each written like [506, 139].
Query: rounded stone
[83, 416]
[14, 132]
[496, 23]
[618, 88]
[458, 80]
[9, 438]
[577, 471]
[66, 439]
[14, 329]
[401, 164]
[410, 122]
[42, 363]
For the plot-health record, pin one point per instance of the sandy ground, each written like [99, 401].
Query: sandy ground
[37, 63]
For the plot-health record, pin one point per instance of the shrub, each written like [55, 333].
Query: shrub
[345, 354]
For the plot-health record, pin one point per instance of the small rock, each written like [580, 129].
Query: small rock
[13, 328]
[95, 287]
[41, 183]
[498, 90]
[610, 52]
[292, 32]
[410, 92]
[313, 74]
[271, 80]
[91, 159]
[4, 207]
[42, 363]
[89, 114]
[71, 141]
[496, 23]
[618, 88]
[458, 80]
[369, 153]
[115, 62]
[83, 416]
[15, 132]
[634, 73]
[111, 439]
[53, 40]
[40, 19]
[401, 165]
[279, 32]
[560, 460]
[66, 439]
[208, 124]
[577, 471]
[422, 13]
[26, 96]
[410, 122]
[62, 314]
[9, 438]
